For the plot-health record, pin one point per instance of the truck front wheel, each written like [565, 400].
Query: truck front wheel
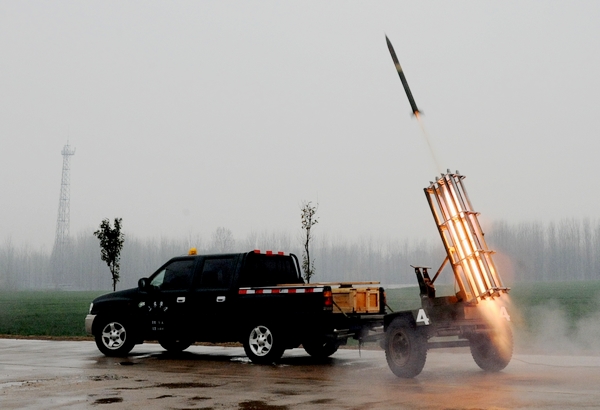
[405, 349]
[263, 344]
[492, 352]
[114, 338]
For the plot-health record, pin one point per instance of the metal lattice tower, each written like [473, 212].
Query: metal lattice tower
[64, 209]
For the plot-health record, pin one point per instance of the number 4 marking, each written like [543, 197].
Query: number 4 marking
[422, 317]
[504, 313]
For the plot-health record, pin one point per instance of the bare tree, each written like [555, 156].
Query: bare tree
[558, 250]
[223, 240]
[308, 219]
[111, 243]
[7, 264]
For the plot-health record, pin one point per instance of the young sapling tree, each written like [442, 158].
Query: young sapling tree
[111, 243]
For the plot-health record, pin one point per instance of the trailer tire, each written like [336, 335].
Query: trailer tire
[263, 344]
[114, 337]
[492, 352]
[405, 348]
[321, 349]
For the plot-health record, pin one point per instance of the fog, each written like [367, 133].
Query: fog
[187, 116]
[335, 259]
[530, 252]
[207, 124]
[526, 254]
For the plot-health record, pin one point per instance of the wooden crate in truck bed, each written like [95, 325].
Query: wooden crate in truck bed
[355, 297]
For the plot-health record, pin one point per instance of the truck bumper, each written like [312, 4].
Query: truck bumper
[89, 321]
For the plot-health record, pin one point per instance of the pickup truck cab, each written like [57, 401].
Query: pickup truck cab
[258, 299]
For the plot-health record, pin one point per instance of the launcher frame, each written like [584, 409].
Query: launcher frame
[463, 239]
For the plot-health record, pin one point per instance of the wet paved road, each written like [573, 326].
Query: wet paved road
[74, 375]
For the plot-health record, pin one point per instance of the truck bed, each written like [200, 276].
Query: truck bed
[348, 297]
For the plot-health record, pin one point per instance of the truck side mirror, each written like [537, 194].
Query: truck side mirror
[143, 283]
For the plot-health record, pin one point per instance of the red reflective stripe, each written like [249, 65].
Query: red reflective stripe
[266, 291]
[280, 253]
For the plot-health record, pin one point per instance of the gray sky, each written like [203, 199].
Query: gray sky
[187, 116]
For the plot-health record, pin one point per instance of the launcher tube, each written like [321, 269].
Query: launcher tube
[461, 234]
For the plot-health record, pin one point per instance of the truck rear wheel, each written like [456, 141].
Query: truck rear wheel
[263, 344]
[405, 349]
[114, 338]
[321, 348]
[492, 352]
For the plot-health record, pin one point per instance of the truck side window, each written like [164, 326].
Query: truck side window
[216, 273]
[175, 276]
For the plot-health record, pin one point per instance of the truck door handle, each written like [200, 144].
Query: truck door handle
[220, 298]
[181, 299]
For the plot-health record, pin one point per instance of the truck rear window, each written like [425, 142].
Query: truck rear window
[216, 273]
[268, 270]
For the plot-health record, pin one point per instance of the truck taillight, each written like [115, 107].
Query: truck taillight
[328, 296]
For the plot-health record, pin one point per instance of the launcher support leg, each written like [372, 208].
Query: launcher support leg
[426, 286]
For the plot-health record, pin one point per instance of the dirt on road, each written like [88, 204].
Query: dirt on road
[37, 374]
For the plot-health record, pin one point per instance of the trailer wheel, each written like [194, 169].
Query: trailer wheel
[405, 349]
[114, 338]
[492, 352]
[263, 344]
[175, 345]
[321, 349]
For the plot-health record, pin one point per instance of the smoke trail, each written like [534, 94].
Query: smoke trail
[428, 141]
[496, 314]
[553, 331]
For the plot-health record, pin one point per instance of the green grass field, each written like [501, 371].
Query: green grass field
[47, 313]
[61, 314]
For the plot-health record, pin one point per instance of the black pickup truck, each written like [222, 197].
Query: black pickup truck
[258, 299]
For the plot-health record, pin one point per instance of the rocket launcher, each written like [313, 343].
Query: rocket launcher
[466, 249]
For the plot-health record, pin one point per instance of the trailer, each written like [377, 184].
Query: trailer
[476, 315]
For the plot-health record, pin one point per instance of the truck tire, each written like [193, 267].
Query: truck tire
[175, 345]
[114, 337]
[263, 344]
[320, 349]
[492, 352]
[405, 349]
